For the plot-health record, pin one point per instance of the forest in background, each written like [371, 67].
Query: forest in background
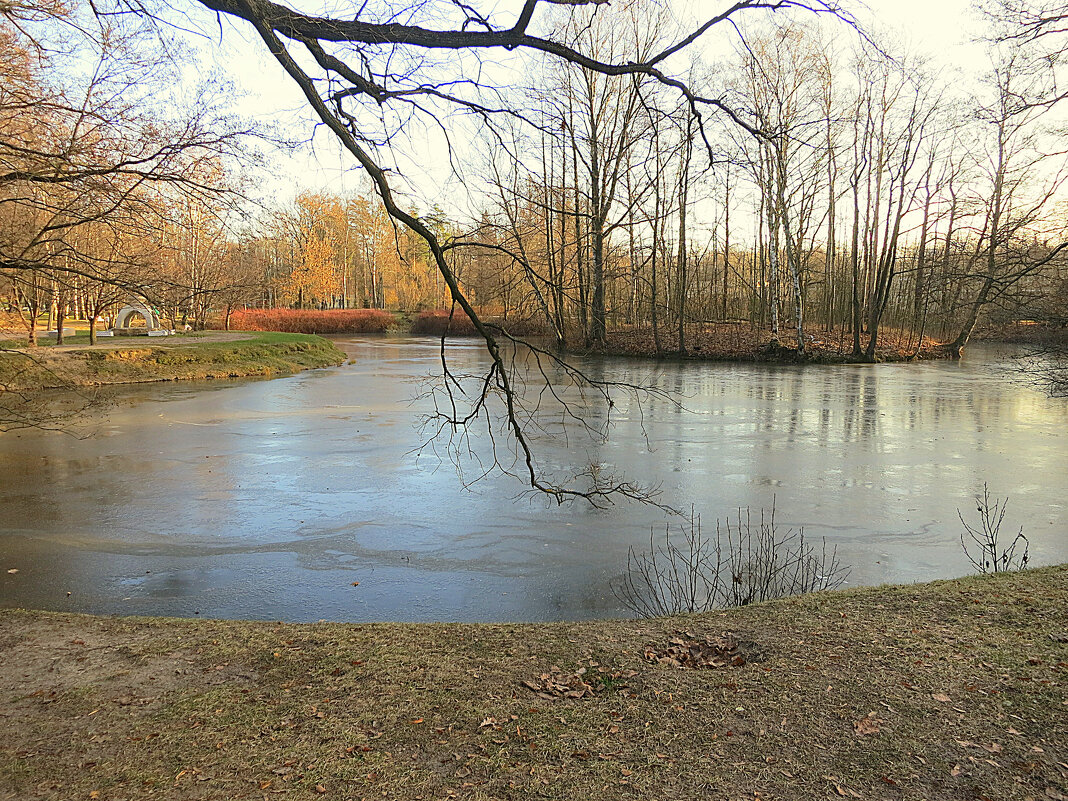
[847, 186]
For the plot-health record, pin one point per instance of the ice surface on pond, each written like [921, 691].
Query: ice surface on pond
[269, 499]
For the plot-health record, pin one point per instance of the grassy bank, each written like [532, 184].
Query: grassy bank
[140, 359]
[951, 690]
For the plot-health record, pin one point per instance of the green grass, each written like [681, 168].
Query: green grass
[139, 359]
[961, 685]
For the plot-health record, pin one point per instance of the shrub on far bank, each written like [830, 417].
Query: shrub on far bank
[306, 321]
[437, 323]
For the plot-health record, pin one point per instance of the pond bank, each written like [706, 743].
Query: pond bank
[946, 690]
[140, 359]
[736, 341]
[744, 343]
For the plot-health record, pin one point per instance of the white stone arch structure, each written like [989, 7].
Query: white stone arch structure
[122, 319]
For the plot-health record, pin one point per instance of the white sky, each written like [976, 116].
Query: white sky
[943, 29]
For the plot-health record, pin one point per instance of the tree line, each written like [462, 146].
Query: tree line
[842, 184]
[852, 186]
[859, 188]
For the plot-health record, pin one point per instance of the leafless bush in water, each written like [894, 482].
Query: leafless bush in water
[1047, 365]
[985, 539]
[748, 560]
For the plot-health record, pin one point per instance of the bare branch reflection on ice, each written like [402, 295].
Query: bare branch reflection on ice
[488, 421]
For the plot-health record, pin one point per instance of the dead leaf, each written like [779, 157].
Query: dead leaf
[417, 720]
[945, 699]
[320, 789]
[867, 726]
[956, 770]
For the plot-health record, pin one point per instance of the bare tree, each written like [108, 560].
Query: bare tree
[1038, 28]
[788, 163]
[84, 148]
[1021, 183]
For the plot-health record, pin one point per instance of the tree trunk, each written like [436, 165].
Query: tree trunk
[598, 321]
[726, 240]
[61, 315]
[857, 352]
[684, 186]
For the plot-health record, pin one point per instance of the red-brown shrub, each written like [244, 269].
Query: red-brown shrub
[436, 323]
[304, 321]
[524, 326]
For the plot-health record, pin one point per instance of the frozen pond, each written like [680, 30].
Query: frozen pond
[270, 499]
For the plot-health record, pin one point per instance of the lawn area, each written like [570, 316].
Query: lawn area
[138, 359]
[950, 690]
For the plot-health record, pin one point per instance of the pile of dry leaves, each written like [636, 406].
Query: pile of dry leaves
[687, 650]
[580, 684]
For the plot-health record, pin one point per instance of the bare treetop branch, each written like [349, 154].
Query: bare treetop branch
[296, 25]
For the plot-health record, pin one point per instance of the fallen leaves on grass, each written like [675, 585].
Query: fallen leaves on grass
[687, 650]
[582, 683]
[867, 726]
[844, 792]
[555, 684]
